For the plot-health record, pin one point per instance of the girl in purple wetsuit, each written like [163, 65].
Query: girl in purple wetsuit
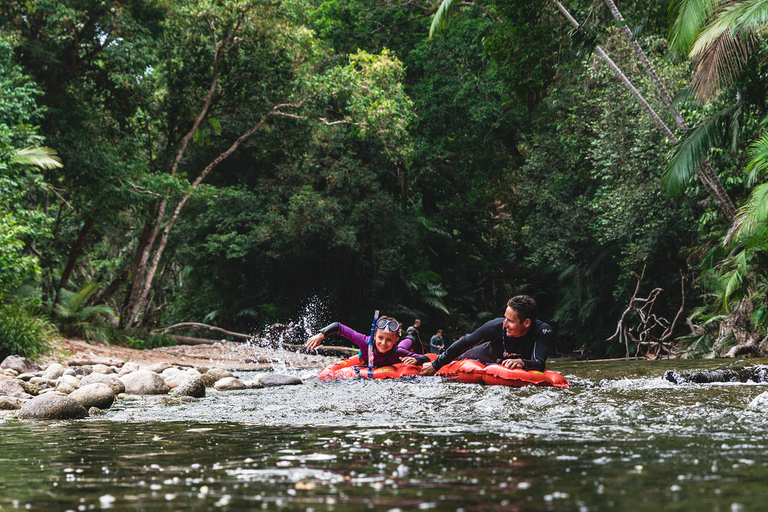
[386, 350]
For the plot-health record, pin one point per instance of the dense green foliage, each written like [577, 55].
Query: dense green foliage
[234, 162]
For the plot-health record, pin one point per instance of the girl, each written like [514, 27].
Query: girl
[386, 350]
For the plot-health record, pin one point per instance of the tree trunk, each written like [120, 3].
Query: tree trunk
[73, 255]
[705, 172]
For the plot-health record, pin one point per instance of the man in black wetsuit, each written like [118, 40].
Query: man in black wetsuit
[516, 341]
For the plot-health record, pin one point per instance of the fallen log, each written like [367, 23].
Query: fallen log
[188, 340]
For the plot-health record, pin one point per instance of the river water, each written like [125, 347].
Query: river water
[620, 438]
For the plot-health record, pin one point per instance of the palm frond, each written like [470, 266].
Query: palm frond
[758, 163]
[45, 158]
[689, 17]
[440, 19]
[693, 149]
[753, 214]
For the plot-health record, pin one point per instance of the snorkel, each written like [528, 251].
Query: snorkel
[370, 345]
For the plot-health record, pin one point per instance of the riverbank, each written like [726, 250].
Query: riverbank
[221, 354]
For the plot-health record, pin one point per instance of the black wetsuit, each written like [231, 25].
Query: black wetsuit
[490, 344]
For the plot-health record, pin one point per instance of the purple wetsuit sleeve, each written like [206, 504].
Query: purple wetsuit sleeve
[361, 340]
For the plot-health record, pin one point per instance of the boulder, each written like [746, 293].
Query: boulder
[10, 403]
[157, 367]
[144, 382]
[102, 368]
[214, 375]
[174, 379]
[52, 406]
[271, 380]
[54, 371]
[128, 368]
[192, 386]
[11, 386]
[94, 395]
[229, 384]
[20, 364]
[110, 380]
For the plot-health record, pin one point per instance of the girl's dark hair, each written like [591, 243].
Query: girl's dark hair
[524, 306]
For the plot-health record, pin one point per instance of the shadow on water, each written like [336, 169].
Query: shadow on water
[622, 437]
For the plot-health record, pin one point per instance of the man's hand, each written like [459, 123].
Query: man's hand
[315, 341]
[513, 363]
[427, 370]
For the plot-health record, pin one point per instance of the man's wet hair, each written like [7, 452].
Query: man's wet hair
[524, 306]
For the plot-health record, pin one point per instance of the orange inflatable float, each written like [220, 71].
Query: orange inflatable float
[466, 370]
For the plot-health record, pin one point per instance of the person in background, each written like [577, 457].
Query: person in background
[412, 341]
[437, 344]
[517, 340]
[386, 352]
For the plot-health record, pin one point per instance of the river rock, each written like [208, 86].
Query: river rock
[252, 384]
[11, 386]
[54, 371]
[9, 372]
[144, 382]
[20, 364]
[128, 368]
[214, 375]
[94, 395]
[102, 368]
[174, 379]
[157, 367]
[192, 386]
[65, 387]
[52, 406]
[10, 403]
[271, 380]
[110, 380]
[229, 384]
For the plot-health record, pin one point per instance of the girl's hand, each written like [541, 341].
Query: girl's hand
[408, 360]
[315, 341]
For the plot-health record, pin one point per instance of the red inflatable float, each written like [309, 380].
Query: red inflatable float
[463, 370]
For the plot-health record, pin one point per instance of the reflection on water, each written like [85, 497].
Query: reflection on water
[621, 437]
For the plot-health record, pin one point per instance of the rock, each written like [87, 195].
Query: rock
[110, 380]
[102, 368]
[70, 371]
[65, 387]
[41, 384]
[192, 386]
[11, 386]
[20, 364]
[214, 375]
[759, 402]
[10, 403]
[271, 380]
[52, 406]
[174, 379]
[144, 382]
[54, 371]
[95, 411]
[94, 395]
[229, 384]
[128, 368]
[157, 367]
[10, 372]
[168, 400]
[29, 388]
[252, 384]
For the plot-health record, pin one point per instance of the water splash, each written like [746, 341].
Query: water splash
[279, 343]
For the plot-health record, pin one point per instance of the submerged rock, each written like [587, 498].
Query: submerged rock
[52, 406]
[271, 380]
[749, 374]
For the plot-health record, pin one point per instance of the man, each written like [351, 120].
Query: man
[516, 341]
[436, 344]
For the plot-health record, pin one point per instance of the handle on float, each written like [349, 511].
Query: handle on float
[370, 344]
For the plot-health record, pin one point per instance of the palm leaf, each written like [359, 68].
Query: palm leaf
[758, 152]
[45, 158]
[440, 19]
[693, 149]
[689, 17]
[753, 214]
